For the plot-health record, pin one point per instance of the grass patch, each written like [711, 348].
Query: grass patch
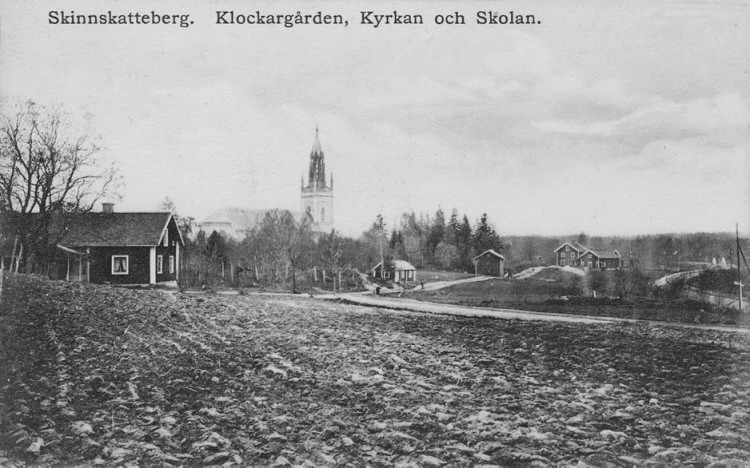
[563, 297]
[437, 275]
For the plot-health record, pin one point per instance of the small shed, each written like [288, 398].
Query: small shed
[489, 263]
[403, 272]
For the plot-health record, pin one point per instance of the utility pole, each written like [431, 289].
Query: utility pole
[739, 271]
[381, 227]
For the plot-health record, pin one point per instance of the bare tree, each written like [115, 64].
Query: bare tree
[279, 247]
[46, 167]
[330, 252]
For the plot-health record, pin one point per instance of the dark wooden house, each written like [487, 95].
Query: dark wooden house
[120, 248]
[489, 263]
[569, 254]
[577, 255]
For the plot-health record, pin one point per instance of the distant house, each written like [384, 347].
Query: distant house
[403, 272]
[577, 255]
[489, 263]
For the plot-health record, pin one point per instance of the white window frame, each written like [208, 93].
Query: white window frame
[166, 237]
[160, 264]
[127, 264]
[171, 264]
[562, 255]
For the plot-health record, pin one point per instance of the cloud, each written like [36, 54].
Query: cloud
[415, 91]
[724, 117]
[571, 86]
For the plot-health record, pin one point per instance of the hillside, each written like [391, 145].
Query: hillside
[101, 375]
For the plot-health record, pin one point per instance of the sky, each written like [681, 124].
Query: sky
[610, 118]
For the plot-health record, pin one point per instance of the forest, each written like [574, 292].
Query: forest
[281, 250]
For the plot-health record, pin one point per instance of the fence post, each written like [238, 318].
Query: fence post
[2, 275]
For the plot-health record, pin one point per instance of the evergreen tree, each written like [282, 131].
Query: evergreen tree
[463, 243]
[485, 237]
[451, 230]
[436, 235]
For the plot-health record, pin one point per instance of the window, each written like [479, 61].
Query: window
[166, 238]
[159, 264]
[562, 263]
[120, 264]
[572, 255]
[562, 255]
[171, 264]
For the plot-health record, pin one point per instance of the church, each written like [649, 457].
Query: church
[316, 198]
[317, 195]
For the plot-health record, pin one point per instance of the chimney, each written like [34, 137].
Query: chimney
[108, 207]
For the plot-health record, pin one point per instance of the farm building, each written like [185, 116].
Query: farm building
[577, 255]
[116, 248]
[489, 263]
[402, 271]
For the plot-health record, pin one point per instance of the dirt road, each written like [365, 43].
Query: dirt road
[395, 303]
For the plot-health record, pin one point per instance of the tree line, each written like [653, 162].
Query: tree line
[645, 252]
[284, 249]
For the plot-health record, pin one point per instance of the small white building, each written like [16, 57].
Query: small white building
[403, 272]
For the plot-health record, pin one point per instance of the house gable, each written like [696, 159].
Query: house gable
[171, 231]
[573, 245]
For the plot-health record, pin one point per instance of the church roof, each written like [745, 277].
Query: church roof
[239, 219]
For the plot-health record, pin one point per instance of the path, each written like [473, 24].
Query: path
[435, 285]
[664, 280]
[431, 286]
[529, 272]
[466, 311]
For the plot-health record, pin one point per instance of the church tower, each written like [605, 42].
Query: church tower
[317, 195]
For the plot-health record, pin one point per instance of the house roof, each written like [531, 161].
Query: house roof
[490, 252]
[575, 245]
[602, 253]
[113, 229]
[399, 264]
[98, 229]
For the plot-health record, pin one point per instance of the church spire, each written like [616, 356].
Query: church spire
[316, 149]
[317, 173]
